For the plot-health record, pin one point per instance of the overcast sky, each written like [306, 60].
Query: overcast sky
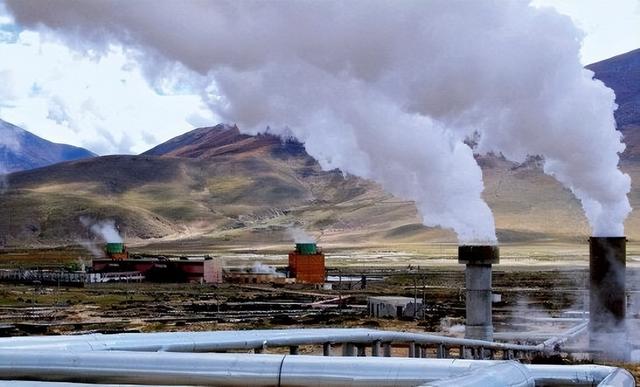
[104, 103]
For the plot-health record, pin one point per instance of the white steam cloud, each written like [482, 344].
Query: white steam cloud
[387, 90]
[299, 235]
[105, 229]
[261, 268]
[91, 247]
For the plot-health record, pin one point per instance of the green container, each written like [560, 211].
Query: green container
[114, 248]
[306, 248]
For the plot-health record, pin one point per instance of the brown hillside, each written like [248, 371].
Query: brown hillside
[215, 186]
[239, 188]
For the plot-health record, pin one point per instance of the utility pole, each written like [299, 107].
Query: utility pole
[415, 296]
[340, 290]
[424, 297]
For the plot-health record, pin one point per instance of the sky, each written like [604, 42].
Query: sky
[103, 102]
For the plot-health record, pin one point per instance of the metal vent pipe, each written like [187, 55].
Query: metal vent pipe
[477, 276]
[607, 298]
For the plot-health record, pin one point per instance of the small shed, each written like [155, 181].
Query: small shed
[393, 306]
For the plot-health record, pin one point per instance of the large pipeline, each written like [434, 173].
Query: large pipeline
[510, 374]
[150, 358]
[226, 369]
[149, 368]
[237, 340]
[31, 383]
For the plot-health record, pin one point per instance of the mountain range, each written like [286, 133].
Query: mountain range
[22, 150]
[211, 185]
[215, 187]
[622, 74]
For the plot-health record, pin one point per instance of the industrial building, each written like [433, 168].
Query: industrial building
[306, 264]
[396, 307]
[203, 270]
[162, 269]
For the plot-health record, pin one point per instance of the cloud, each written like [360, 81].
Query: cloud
[6, 88]
[64, 96]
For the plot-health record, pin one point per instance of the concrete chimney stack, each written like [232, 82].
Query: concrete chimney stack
[607, 298]
[478, 261]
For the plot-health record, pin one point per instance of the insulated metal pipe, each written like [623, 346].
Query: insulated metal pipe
[477, 275]
[508, 373]
[148, 368]
[560, 339]
[224, 369]
[230, 340]
[618, 378]
[580, 375]
[607, 298]
[28, 383]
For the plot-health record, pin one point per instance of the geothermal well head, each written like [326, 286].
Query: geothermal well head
[607, 298]
[478, 261]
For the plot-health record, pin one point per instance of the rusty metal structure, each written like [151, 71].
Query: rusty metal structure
[478, 261]
[306, 264]
[607, 298]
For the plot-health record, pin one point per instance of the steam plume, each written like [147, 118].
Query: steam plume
[261, 268]
[91, 247]
[299, 235]
[387, 90]
[105, 229]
